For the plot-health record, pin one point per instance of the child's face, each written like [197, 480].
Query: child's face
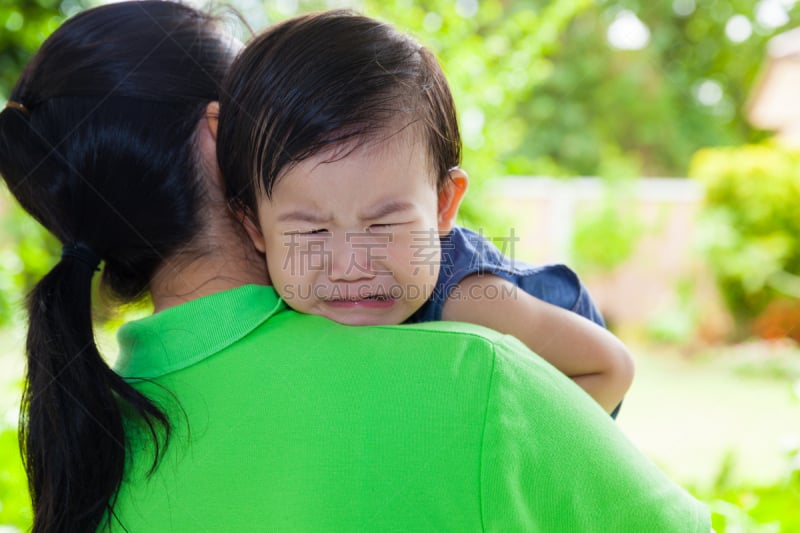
[356, 239]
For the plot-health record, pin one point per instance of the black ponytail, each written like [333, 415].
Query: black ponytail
[73, 430]
[98, 146]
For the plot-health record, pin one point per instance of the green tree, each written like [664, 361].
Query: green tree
[23, 26]
[682, 88]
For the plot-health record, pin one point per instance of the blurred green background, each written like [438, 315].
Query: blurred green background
[622, 91]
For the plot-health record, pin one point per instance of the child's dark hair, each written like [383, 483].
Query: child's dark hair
[98, 144]
[331, 79]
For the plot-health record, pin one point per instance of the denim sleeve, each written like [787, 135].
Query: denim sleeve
[559, 285]
[465, 252]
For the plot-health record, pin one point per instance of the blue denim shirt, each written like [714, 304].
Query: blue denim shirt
[465, 252]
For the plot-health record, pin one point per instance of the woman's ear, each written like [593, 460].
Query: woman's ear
[240, 212]
[450, 198]
[206, 142]
[212, 118]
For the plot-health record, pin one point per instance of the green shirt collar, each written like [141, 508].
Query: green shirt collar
[181, 336]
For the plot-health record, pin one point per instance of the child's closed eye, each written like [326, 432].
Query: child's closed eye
[319, 231]
[384, 226]
[373, 227]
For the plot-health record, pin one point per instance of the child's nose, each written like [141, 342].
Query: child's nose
[350, 259]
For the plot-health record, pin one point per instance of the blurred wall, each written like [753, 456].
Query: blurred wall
[663, 279]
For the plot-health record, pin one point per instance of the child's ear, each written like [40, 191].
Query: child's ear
[212, 117]
[450, 198]
[249, 220]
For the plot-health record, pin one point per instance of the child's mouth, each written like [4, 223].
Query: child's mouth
[371, 301]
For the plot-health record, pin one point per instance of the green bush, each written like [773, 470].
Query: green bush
[15, 504]
[737, 507]
[604, 238]
[749, 225]
[607, 233]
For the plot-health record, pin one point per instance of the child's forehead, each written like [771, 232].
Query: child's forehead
[386, 159]
[409, 137]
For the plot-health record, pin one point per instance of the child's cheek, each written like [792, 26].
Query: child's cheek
[290, 263]
[416, 254]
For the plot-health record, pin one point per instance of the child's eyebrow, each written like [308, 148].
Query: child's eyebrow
[303, 216]
[386, 208]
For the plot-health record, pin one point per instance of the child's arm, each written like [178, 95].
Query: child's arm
[590, 355]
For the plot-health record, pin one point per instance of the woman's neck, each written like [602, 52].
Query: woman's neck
[222, 258]
[197, 279]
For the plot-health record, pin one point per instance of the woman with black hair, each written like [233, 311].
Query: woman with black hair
[226, 411]
[103, 142]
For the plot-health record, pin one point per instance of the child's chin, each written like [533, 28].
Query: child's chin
[361, 320]
[360, 317]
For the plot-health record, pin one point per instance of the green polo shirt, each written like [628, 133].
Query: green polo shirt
[290, 422]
